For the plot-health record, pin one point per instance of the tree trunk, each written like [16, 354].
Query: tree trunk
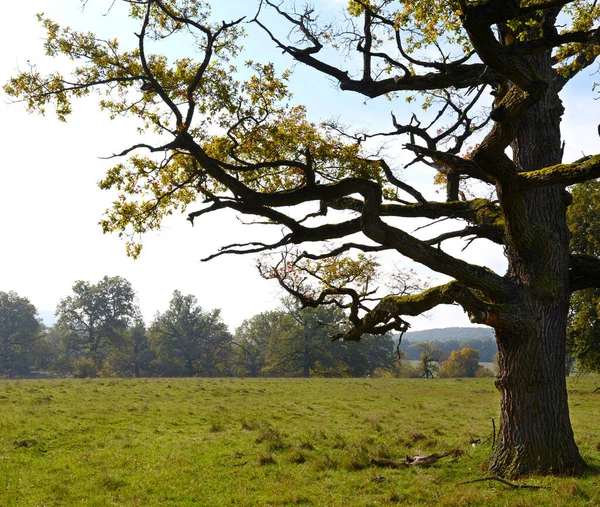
[306, 364]
[535, 429]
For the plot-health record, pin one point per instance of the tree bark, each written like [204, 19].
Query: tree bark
[535, 429]
[306, 362]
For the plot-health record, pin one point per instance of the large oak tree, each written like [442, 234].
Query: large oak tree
[237, 144]
[96, 317]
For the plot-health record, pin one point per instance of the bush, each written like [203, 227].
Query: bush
[404, 369]
[461, 363]
[483, 372]
[84, 368]
[107, 371]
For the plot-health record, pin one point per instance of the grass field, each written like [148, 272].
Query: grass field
[267, 442]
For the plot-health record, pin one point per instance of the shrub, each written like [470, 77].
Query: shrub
[85, 368]
[483, 372]
[107, 371]
[461, 363]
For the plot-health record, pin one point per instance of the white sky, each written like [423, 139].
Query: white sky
[50, 204]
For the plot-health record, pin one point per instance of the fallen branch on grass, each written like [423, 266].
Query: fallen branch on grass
[412, 461]
[511, 485]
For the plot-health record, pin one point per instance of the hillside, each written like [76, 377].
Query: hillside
[449, 333]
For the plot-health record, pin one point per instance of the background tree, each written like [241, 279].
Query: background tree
[290, 341]
[190, 341]
[430, 359]
[461, 363]
[134, 357]
[47, 350]
[238, 144]
[487, 348]
[251, 342]
[96, 318]
[20, 330]
[60, 362]
[372, 353]
[301, 344]
[583, 337]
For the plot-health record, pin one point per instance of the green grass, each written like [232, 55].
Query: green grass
[266, 442]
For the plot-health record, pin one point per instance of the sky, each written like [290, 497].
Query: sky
[50, 203]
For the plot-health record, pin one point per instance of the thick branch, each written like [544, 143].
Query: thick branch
[584, 169]
[493, 12]
[584, 272]
[390, 308]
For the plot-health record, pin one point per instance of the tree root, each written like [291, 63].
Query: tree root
[511, 485]
[412, 461]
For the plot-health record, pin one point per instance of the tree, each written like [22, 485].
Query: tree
[430, 358]
[134, 356]
[300, 342]
[20, 329]
[96, 317]
[47, 349]
[251, 342]
[370, 354]
[461, 363]
[189, 341]
[583, 337]
[296, 341]
[238, 144]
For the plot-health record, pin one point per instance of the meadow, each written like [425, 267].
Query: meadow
[221, 442]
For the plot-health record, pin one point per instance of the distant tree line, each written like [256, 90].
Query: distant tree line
[487, 349]
[432, 362]
[100, 332]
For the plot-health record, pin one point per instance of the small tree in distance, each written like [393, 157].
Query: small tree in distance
[430, 359]
[190, 341]
[461, 363]
[94, 320]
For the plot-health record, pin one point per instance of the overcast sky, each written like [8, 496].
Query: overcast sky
[50, 204]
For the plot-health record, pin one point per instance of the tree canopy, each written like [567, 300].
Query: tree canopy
[191, 340]
[20, 329]
[96, 317]
[219, 138]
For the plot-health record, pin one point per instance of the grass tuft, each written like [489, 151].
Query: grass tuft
[359, 457]
[265, 458]
[325, 462]
[247, 424]
[416, 436]
[111, 482]
[216, 426]
[306, 445]
[273, 438]
[297, 456]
